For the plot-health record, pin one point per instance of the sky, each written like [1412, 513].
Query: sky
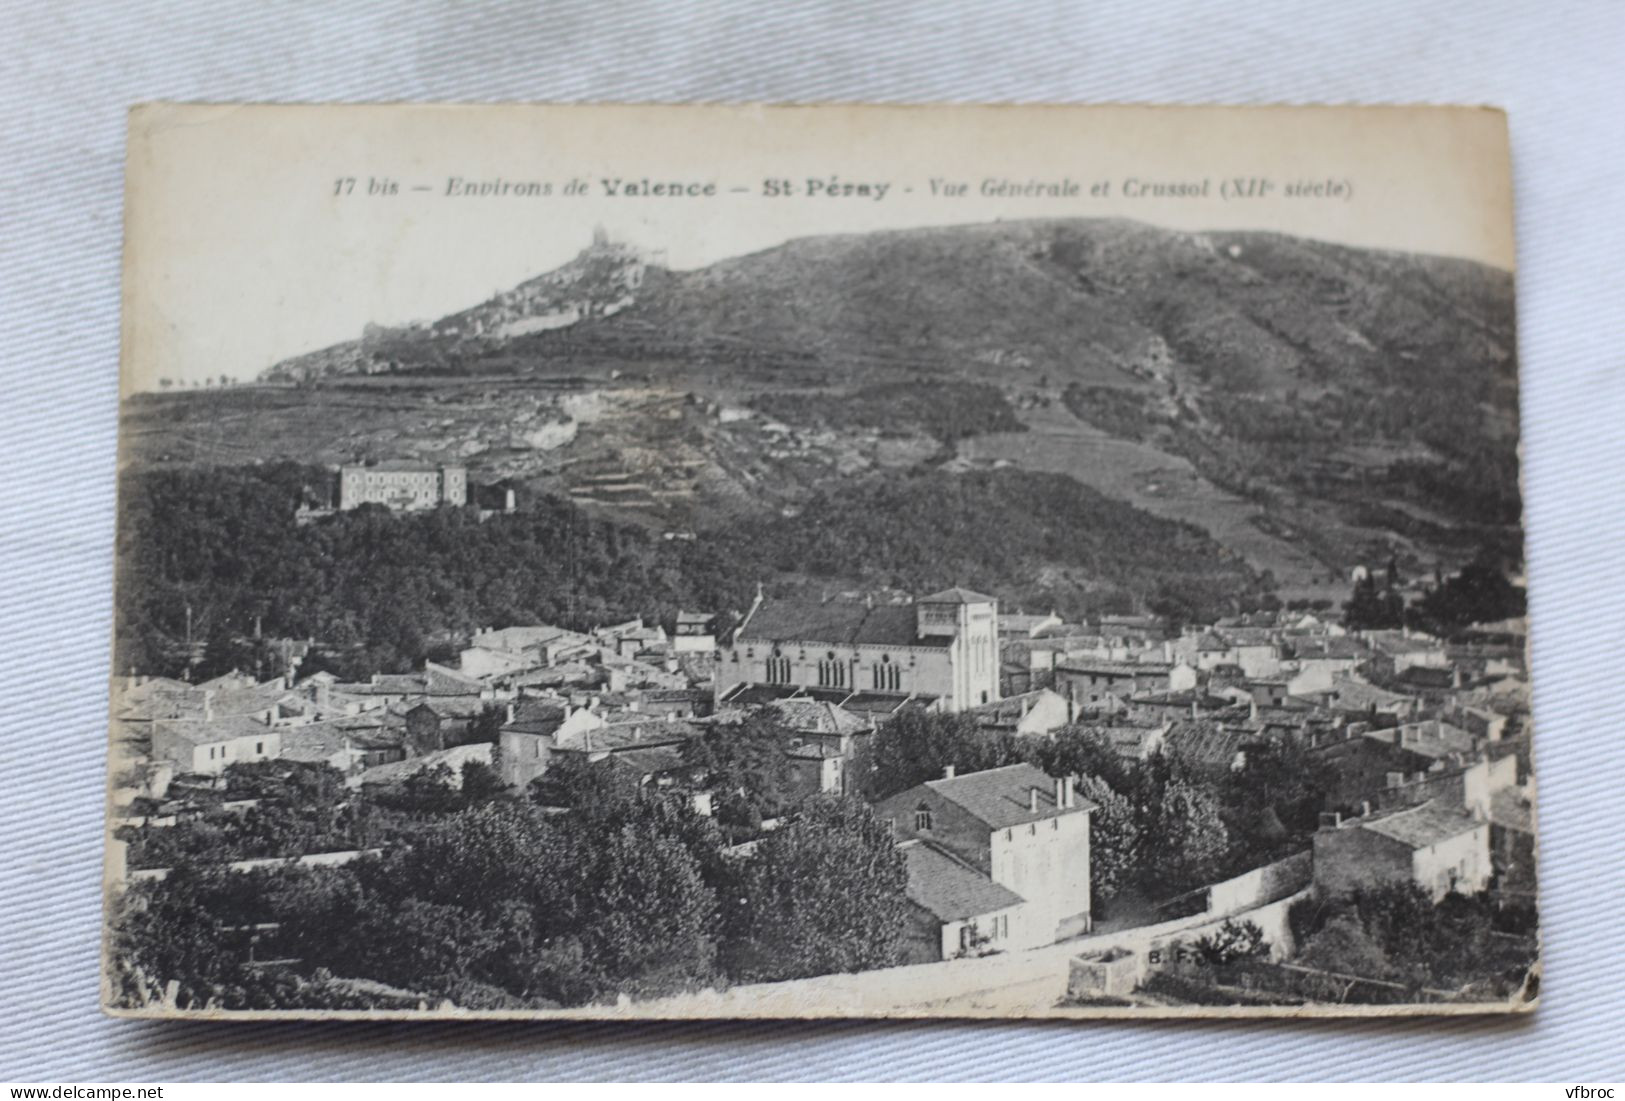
[257, 233]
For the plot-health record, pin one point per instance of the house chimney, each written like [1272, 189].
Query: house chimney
[1032, 800]
[948, 772]
[1193, 708]
[510, 712]
[1365, 808]
[1060, 793]
[208, 705]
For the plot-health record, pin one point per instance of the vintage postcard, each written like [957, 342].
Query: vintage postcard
[829, 561]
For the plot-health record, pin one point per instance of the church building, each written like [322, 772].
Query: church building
[943, 648]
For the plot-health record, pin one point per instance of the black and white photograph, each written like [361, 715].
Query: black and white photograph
[663, 563]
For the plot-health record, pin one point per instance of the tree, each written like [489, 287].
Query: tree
[1370, 608]
[823, 893]
[487, 725]
[426, 791]
[1480, 593]
[745, 763]
[1184, 839]
[1276, 795]
[591, 787]
[1345, 947]
[1084, 751]
[637, 902]
[1114, 837]
[1233, 942]
[916, 746]
[177, 931]
[481, 783]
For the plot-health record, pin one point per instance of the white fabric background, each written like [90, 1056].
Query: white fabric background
[71, 70]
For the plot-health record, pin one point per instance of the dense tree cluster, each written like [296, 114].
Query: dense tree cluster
[497, 902]
[823, 893]
[744, 764]
[1480, 593]
[1396, 933]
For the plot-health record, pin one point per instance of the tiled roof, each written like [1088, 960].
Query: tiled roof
[432, 682]
[200, 732]
[537, 717]
[1419, 827]
[835, 623]
[1399, 642]
[818, 717]
[177, 700]
[640, 732]
[1129, 740]
[875, 703]
[514, 639]
[1249, 636]
[1511, 809]
[451, 707]
[749, 695]
[1181, 699]
[1021, 623]
[1423, 676]
[647, 762]
[316, 742]
[1000, 797]
[1431, 737]
[1206, 742]
[1338, 648]
[400, 466]
[795, 620]
[1358, 695]
[950, 889]
[1116, 668]
[675, 695]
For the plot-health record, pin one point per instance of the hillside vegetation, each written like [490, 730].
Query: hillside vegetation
[1360, 404]
[382, 591]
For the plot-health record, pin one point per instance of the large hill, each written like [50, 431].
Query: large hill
[1311, 406]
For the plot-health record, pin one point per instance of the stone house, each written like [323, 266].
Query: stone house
[1439, 847]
